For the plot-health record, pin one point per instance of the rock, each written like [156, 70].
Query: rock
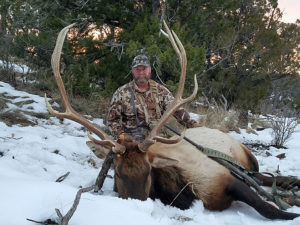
[281, 156]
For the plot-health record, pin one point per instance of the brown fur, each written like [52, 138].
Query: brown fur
[220, 200]
[132, 170]
[251, 160]
[166, 170]
[167, 182]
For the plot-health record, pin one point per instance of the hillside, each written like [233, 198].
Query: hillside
[35, 153]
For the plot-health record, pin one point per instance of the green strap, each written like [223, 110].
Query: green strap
[275, 195]
[234, 167]
[217, 154]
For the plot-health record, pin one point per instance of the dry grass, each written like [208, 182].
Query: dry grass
[15, 117]
[219, 119]
[257, 123]
[216, 119]
[95, 105]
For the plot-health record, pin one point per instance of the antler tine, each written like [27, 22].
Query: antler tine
[171, 38]
[70, 113]
[55, 62]
[101, 142]
[178, 101]
[183, 66]
[180, 51]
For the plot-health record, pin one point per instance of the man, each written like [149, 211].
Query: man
[137, 106]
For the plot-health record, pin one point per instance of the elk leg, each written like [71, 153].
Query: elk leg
[284, 182]
[241, 192]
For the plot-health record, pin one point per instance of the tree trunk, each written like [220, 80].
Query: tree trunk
[155, 6]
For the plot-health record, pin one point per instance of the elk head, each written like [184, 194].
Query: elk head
[133, 163]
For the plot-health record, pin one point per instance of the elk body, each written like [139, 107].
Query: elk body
[178, 174]
[173, 170]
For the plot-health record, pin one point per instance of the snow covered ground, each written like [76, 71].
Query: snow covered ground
[33, 157]
[20, 68]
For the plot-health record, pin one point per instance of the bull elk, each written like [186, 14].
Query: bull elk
[161, 168]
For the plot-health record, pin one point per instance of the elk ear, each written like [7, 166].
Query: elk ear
[98, 150]
[160, 161]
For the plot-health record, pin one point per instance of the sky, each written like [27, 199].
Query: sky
[291, 10]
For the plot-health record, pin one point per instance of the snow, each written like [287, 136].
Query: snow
[288, 165]
[194, 116]
[33, 157]
[17, 68]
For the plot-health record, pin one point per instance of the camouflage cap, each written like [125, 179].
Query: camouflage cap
[140, 60]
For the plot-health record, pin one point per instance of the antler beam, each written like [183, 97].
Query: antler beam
[70, 113]
[178, 101]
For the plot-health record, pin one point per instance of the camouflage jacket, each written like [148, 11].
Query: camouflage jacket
[149, 106]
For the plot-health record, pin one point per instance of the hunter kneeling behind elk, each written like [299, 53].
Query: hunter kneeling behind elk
[137, 106]
[161, 168]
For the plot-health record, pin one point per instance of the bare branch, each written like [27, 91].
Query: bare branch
[208, 103]
[224, 102]
[214, 66]
[104, 170]
[157, 75]
[64, 220]
[63, 177]
[47, 222]
[282, 128]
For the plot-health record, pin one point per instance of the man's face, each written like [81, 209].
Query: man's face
[141, 74]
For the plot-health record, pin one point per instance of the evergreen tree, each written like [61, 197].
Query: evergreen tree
[235, 47]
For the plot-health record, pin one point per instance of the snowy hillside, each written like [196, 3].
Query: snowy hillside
[33, 156]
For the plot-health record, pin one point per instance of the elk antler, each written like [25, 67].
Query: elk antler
[70, 113]
[178, 101]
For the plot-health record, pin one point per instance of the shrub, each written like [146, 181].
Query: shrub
[282, 129]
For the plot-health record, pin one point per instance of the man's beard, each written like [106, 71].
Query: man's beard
[141, 80]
